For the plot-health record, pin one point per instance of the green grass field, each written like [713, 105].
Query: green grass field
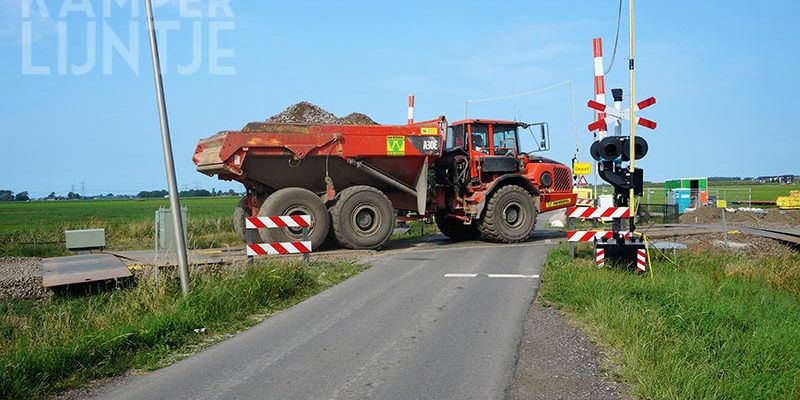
[62, 343]
[716, 326]
[128, 223]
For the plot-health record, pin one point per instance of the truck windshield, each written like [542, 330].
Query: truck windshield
[505, 138]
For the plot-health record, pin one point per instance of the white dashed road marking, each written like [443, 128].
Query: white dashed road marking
[460, 275]
[512, 276]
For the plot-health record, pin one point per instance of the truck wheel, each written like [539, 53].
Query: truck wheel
[295, 201]
[240, 213]
[456, 230]
[510, 215]
[362, 217]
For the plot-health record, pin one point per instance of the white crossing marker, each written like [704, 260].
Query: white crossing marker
[513, 276]
[518, 276]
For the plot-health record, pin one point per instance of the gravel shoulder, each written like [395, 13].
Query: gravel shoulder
[557, 361]
[20, 278]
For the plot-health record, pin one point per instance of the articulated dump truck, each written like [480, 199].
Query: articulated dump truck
[472, 177]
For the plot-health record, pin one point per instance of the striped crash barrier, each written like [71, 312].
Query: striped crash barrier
[287, 221]
[591, 236]
[584, 203]
[598, 212]
[641, 258]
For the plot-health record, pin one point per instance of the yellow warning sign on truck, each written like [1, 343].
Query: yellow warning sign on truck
[395, 145]
[429, 131]
[581, 168]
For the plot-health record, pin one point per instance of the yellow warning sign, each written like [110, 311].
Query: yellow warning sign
[580, 168]
[395, 145]
[429, 131]
[556, 203]
[722, 203]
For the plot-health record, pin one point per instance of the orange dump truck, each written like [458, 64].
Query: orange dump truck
[472, 177]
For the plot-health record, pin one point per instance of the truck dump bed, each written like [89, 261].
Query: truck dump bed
[392, 158]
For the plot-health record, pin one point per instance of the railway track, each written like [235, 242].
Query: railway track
[791, 236]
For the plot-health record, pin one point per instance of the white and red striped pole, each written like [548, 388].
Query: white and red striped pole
[599, 82]
[411, 109]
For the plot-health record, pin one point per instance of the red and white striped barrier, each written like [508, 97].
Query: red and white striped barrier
[599, 82]
[600, 258]
[279, 248]
[591, 236]
[284, 221]
[585, 203]
[598, 212]
[411, 109]
[641, 260]
[288, 221]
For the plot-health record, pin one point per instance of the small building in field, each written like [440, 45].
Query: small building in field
[687, 193]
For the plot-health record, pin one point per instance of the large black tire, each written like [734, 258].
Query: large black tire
[295, 201]
[456, 230]
[239, 214]
[510, 215]
[362, 218]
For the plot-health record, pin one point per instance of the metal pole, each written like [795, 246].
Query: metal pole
[725, 228]
[166, 142]
[631, 66]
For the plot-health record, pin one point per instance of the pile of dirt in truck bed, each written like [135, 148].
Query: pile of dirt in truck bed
[747, 217]
[356, 119]
[307, 113]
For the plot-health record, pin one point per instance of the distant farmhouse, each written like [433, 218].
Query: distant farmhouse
[782, 179]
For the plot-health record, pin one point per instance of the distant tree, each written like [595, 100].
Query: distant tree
[195, 193]
[73, 196]
[154, 194]
[6, 195]
[52, 196]
[231, 192]
[22, 196]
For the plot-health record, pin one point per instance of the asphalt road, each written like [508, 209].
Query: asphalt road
[422, 323]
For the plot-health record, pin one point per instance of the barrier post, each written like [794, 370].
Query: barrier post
[571, 227]
[306, 257]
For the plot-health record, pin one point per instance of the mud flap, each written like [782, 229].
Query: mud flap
[421, 188]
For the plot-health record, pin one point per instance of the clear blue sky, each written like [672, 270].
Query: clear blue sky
[725, 75]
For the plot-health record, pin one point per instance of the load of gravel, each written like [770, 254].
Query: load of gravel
[20, 279]
[303, 113]
[307, 113]
[356, 119]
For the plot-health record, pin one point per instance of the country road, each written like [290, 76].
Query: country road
[442, 321]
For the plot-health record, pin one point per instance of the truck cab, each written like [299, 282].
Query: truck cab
[482, 156]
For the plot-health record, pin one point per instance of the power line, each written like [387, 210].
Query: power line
[616, 39]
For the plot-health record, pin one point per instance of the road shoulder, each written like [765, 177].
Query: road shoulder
[557, 361]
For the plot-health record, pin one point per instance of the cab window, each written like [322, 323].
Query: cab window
[505, 139]
[480, 138]
[455, 137]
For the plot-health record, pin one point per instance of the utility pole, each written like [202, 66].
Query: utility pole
[631, 67]
[166, 142]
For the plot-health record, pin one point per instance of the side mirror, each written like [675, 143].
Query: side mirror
[543, 133]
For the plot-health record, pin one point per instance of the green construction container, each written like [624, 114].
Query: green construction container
[687, 183]
[695, 188]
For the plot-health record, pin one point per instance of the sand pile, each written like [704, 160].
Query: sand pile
[767, 217]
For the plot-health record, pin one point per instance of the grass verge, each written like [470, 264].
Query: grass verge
[63, 343]
[718, 326]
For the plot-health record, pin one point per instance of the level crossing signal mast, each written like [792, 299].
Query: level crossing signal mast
[612, 153]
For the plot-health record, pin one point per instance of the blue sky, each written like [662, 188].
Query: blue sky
[725, 75]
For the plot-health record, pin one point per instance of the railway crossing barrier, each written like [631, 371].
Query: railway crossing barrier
[302, 222]
[602, 238]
